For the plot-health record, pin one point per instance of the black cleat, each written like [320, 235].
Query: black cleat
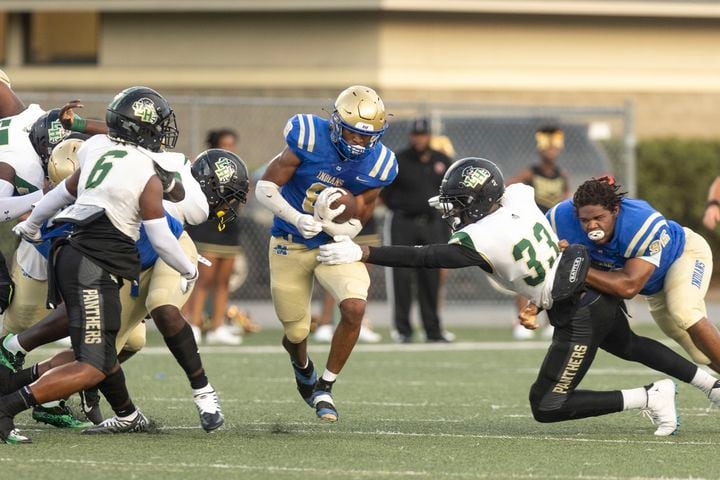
[90, 404]
[322, 400]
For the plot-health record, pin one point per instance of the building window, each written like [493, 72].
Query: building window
[62, 37]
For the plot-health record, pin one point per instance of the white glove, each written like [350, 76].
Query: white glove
[308, 226]
[323, 213]
[28, 231]
[435, 203]
[344, 250]
[187, 282]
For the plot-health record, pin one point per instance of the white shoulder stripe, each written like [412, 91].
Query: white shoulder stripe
[649, 238]
[640, 233]
[391, 161]
[301, 133]
[379, 162]
[311, 133]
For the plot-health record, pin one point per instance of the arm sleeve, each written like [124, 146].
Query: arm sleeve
[49, 204]
[12, 207]
[268, 194]
[428, 256]
[168, 247]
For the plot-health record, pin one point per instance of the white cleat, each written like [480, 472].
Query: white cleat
[368, 336]
[208, 406]
[714, 394]
[222, 336]
[323, 334]
[661, 407]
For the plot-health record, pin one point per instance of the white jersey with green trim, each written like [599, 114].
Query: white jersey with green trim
[113, 176]
[17, 151]
[518, 243]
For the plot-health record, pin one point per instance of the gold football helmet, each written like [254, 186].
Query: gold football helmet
[63, 160]
[361, 110]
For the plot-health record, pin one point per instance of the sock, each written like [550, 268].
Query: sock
[16, 402]
[12, 345]
[129, 416]
[185, 350]
[634, 398]
[307, 370]
[199, 382]
[22, 378]
[116, 393]
[703, 380]
[329, 376]
[206, 389]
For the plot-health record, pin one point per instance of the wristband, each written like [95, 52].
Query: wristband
[78, 124]
[712, 202]
[170, 187]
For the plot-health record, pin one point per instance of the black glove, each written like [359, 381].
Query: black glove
[7, 287]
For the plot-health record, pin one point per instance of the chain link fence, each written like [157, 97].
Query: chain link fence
[598, 140]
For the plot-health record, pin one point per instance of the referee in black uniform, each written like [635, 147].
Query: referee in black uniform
[414, 222]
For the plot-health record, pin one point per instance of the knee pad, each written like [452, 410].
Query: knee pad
[136, 339]
[298, 331]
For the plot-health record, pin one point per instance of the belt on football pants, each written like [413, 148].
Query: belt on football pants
[292, 238]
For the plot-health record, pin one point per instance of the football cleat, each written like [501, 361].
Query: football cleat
[115, 424]
[323, 402]
[13, 361]
[714, 394]
[60, 416]
[305, 383]
[661, 407]
[9, 434]
[208, 405]
[90, 404]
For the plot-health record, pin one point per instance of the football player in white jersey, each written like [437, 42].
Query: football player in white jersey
[503, 232]
[115, 189]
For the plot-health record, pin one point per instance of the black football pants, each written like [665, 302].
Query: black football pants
[596, 321]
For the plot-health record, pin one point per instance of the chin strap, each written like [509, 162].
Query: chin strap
[221, 224]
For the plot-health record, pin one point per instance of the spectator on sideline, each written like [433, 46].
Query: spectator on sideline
[220, 247]
[414, 222]
[551, 186]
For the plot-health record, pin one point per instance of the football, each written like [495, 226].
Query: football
[347, 199]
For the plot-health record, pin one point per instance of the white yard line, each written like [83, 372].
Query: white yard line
[317, 472]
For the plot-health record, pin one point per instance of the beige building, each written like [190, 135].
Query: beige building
[662, 55]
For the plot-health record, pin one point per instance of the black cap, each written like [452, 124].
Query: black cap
[421, 126]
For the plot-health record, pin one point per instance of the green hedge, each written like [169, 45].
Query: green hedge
[674, 176]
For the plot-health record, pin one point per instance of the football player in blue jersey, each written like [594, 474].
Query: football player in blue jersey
[636, 250]
[299, 186]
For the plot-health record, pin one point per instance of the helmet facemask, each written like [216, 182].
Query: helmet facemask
[347, 150]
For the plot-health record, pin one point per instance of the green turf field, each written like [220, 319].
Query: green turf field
[417, 411]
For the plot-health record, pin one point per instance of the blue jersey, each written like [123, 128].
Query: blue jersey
[148, 255]
[640, 231]
[308, 136]
[49, 234]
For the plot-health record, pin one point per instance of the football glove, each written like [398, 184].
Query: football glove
[28, 231]
[308, 226]
[323, 213]
[344, 250]
[187, 282]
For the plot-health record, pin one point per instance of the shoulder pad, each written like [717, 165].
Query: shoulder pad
[384, 166]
